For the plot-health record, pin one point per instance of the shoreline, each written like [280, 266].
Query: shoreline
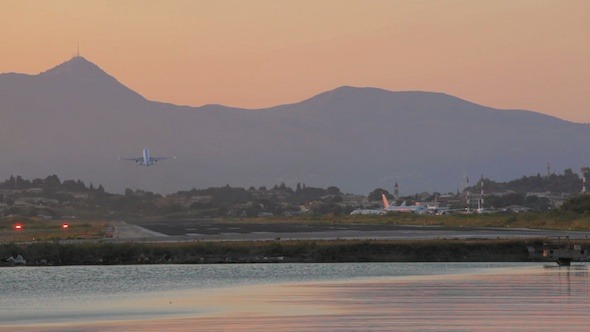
[280, 251]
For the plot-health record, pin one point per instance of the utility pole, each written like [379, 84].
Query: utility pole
[585, 171]
[468, 195]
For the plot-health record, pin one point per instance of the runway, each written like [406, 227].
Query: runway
[163, 230]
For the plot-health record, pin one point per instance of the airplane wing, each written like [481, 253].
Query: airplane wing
[133, 159]
[160, 158]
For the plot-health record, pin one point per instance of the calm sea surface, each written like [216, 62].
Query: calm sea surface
[356, 296]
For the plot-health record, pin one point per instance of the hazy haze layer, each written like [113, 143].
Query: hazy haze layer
[75, 120]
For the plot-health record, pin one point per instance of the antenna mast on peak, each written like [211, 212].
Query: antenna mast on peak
[78, 49]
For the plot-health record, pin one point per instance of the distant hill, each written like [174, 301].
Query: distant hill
[75, 120]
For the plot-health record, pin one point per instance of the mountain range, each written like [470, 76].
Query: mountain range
[75, 120]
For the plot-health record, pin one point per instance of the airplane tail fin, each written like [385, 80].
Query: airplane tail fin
[403, 204]
[385, 201]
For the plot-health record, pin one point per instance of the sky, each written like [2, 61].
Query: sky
[508, 54]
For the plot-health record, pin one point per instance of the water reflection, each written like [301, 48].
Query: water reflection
[474, 299]
[569, 275]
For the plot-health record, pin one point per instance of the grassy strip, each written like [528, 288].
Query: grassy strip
[47, 230]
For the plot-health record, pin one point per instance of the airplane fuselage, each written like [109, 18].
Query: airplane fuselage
[146, 157]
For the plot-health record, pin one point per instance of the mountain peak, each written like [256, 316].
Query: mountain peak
[77, 68]
[79, 74]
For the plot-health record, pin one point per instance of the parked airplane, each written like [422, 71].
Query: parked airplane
[402, 207]
[387, 207]
[146, 159]
[373, 211]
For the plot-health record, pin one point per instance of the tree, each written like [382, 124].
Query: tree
[12, 182]
[22, 183]
[37, 182]
[579, 204]
[505, 200]
[375, 195]
[332, 190]
[253, 210]
[52, 181]
[73, 185]
[537, 203]
[174, 208]
[337, 199]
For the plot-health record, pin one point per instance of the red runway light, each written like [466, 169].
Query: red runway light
[18, 227]
[64, 226]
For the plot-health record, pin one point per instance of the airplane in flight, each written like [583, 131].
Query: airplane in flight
[145, 159]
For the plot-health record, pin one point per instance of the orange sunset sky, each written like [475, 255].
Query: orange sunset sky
[259, 53]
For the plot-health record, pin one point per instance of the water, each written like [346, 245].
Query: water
[355, 296]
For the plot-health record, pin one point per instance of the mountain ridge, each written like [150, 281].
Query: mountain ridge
[79, 67]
